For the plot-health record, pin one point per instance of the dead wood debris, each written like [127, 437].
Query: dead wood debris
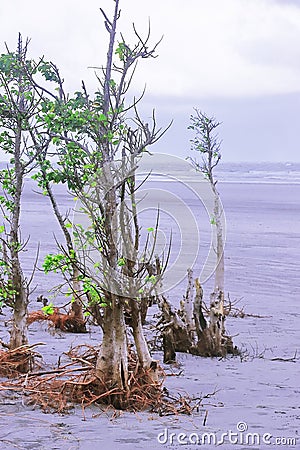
[294, 358]
[231, 309]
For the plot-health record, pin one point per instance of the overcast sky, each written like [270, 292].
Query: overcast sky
[238, 60]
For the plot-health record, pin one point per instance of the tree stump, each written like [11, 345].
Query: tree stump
[187, 330]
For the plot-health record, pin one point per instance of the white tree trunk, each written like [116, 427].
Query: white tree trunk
[18, 332]
[219, 273]
[145, 360]
[19, 329]
[112, 361]
[187, 306]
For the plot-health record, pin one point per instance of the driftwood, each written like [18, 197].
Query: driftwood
[187, 330]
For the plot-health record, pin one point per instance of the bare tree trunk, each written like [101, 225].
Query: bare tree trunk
[219, 273]
[112, 360]
[217, 319]
[187, 306]
[200, 321]
[217, 315]
[18, 333]
[76, 310]
[145, 360]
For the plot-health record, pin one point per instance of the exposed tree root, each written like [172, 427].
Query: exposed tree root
[63, 322]
[19, 360]
[59, 390]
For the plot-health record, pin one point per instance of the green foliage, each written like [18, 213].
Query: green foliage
[121, 262]
[122, 51]
[90, 288]
[152, 279]
[48, 309]
[57, 263]
[72, 123]
[48, 71]
[7, 291]
[6, 140]
[84, 238]
[206, 143]
[17, 94]
[78, 115]
[8, 183]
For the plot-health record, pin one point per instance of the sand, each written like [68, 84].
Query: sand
[257, 392]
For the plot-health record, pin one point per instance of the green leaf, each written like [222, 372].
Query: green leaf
[150, 229]
[151, 278]
[121, 262]
[2, 228]
[48, 309]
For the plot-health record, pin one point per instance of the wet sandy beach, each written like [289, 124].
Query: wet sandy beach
[260, 392]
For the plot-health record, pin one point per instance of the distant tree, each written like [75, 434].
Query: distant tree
[19, 130]
[207, 144]
[188, 330]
